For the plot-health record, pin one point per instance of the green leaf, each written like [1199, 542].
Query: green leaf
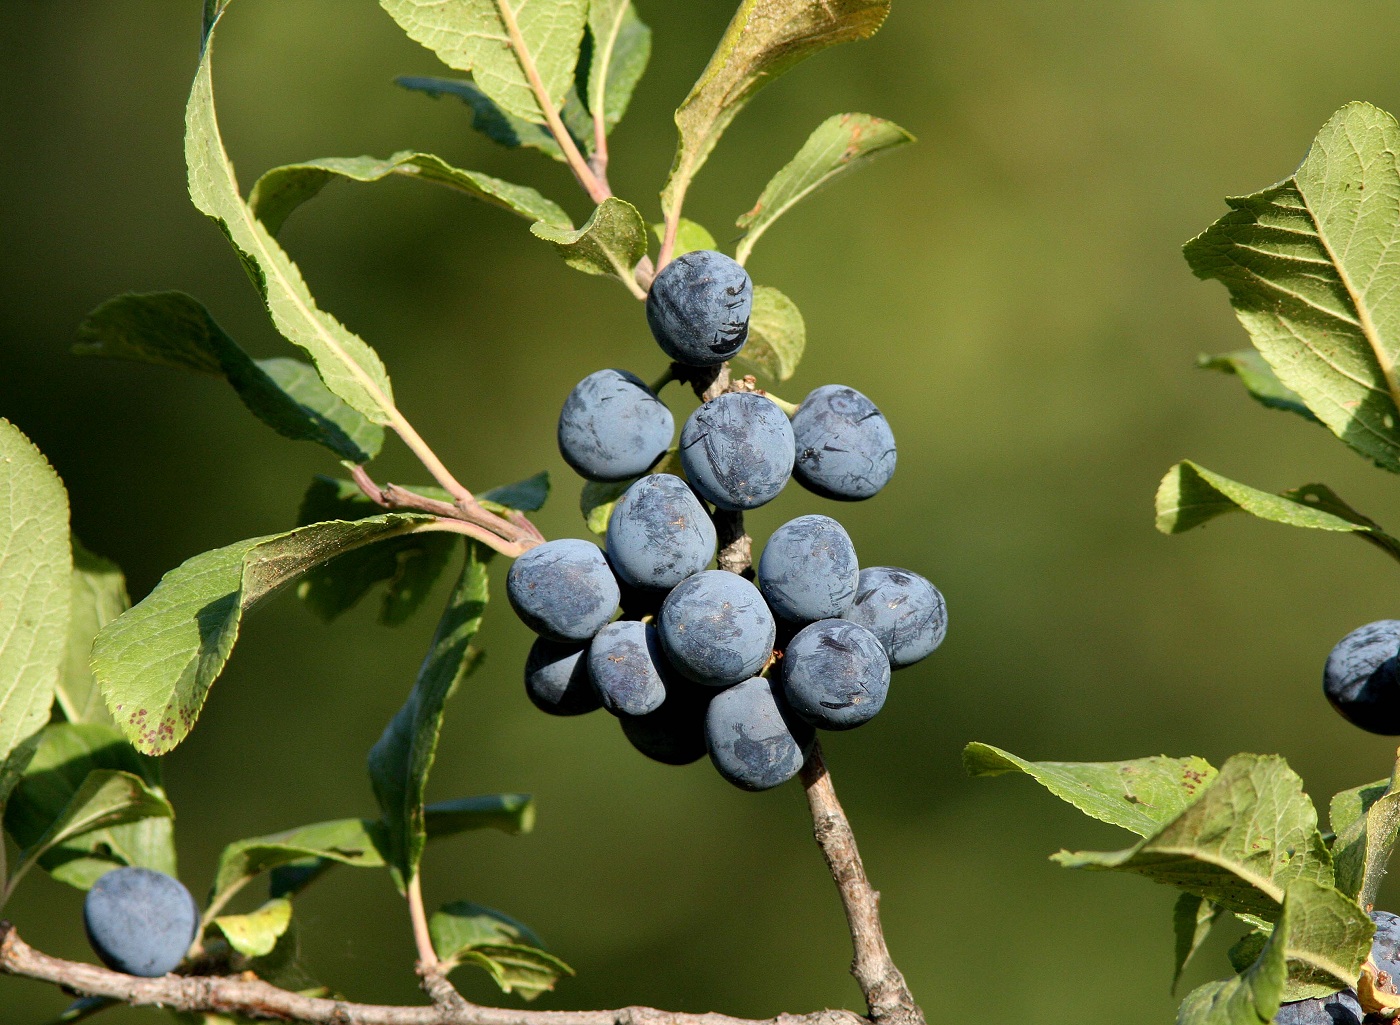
[256, 933]
[105, 799]
[470, 35]
[1192, 919]
[67, 753]
[280, 191]
[339, 841]
[35, 596]
[99, 596]
[157, 662]
[487, 118]
[1246, 838]
[1259, 380]
[597, 500]
[1190, 495]
[349, 367]
[1139, 795]
[689, 237]
[1329, 937]
[1250, 998]
[466, 933]
[841, 143]
[510, 813]
[528, 495]
[777, 335]
[400, 761]
[764, 39]
[1367, 824]
[172, 329]
[611, 243]
[621, 47]
[1307, 264]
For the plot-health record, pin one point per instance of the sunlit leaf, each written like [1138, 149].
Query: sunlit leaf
[621, 47]
[256, 933]
[611, 243]
[777, 335]
[1259, 380]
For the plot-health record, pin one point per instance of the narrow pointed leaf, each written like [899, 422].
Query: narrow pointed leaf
[348, 366]
[1246, 838]
[1307, 264]
[106, 798]
[157, 662]
[339, 841]
[172, 329]
[99, 596]
[777, 335]
[611, 243]
[256, 933]
[466, 933]
[842, 143]
[764, 39]
[1191, 495]
[470, 35]
[35, 595]
[1192, 919]
[510, 813]
[487, 118]
[1259, 380]
[621, 47]
[1139, 795]
[1250, 998]
[280, 191]
[67, 753]
[528, 495]
[400, 761]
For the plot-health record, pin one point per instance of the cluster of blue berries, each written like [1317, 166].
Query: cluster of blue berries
[701, 660]
[1362, 677]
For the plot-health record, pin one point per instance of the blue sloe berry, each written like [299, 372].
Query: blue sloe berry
[613, 427]
[808, 570]
[755, 740]
[836, 674]
[1336, 1009]
[737, 450]
[659, 533]
[1361, 678]
[556, 678]
[563, 589]
[902, 609]
[628, 668]
[845, 448]
[698, 308]
[716, 628]
[140, 921]
[674, 734]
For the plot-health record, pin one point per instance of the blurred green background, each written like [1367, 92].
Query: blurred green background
[1011, 293]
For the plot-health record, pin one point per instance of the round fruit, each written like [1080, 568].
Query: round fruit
[737, 450]
[698, 308]
[563, 590]
[717, 629]
[1337, 1009]
[556, 678]
[659, 533]
[903, 609]
[674, 734]
[836, 674]
[808, 570]
[140, 921]
[845, 448]
[628, 668]
[1361, 677]
[613, 427]
[754, 739]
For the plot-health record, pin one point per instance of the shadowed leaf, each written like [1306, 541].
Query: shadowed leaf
[1259, 380]
[1192, 919]
[466, 933]
[777, 335]
[611, 243]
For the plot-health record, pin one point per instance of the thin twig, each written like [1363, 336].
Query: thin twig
[422, 939]
[250, 997]
[510, 535]
[886, 992]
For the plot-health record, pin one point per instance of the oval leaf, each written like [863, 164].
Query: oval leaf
[99, 596]
[256, 933]
[611, 243]
[777, 335]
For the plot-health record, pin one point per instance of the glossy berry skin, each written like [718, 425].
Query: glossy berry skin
[140, 921]
[563, 590]
[628, 668]
[716, 628]
[698, 308]
[902, 609]
[845, 448]
[1337, 1009]
[755, 741]
[659, 534]
[808, 570]
[1361, 678]
[556, 678]
[737, 450]
[613, 427]
[674, 734]
[836, 674]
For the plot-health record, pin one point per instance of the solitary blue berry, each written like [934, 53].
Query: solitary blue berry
[140, 921]
[698, 308]
[1361, 678]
